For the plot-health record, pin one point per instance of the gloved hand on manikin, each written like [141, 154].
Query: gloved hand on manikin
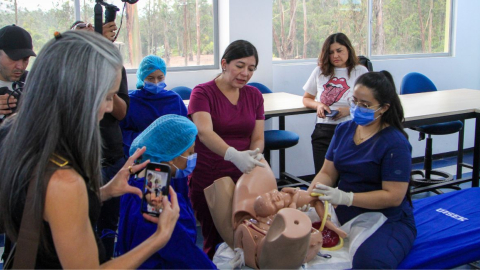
[244, 160]
[333, 195]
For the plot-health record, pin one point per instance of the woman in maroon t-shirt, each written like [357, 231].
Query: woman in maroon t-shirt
[230, 120]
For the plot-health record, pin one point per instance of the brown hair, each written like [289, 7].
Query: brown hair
[324, 60]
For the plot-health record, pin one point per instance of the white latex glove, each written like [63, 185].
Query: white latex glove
[258, 156]
[304, 208]
[333, 195]
[244, 160]
[238, 260]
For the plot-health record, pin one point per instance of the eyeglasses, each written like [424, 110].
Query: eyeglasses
[352, 102]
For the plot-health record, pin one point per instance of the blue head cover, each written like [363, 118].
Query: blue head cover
[148, 65]
[166, 138]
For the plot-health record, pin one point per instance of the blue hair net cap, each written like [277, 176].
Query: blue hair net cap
[166, 138]
[148, 65]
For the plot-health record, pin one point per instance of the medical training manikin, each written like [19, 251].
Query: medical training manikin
[265, 223]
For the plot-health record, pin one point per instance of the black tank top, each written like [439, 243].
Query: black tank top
[47, 257]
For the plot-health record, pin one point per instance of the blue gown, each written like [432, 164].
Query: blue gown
[145, 108]
[181, 251]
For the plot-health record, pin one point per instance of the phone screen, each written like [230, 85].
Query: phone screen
[156, 185]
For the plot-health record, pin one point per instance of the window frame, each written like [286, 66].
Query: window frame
[215, 65]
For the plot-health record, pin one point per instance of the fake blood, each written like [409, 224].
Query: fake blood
[330, 238]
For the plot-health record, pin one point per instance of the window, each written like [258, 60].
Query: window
[410, 27]
[182, 32]
[397, 28]
[40, 18]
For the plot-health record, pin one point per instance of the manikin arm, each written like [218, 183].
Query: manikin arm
[294, 195]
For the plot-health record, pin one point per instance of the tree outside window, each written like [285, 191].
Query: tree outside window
[180, 31]
[398, 27]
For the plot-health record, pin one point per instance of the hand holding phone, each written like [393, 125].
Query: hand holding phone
[332, 114]
[156, 186]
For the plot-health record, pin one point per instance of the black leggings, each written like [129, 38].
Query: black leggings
[321, 137]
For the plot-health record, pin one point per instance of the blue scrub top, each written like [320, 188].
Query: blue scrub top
[144, 109]
[181, 251]
[386, 156]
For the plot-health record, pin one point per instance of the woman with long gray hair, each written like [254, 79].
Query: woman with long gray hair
[52, 153]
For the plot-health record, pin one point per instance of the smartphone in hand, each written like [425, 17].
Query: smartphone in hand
[332, 114]
[156, 185]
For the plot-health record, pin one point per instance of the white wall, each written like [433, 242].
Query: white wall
[251, 20]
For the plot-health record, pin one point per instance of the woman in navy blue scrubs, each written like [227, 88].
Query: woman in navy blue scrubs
[370, 160]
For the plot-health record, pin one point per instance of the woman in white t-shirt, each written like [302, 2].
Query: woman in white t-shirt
[328, 88]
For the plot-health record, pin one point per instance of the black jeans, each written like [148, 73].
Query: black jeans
[321, 137]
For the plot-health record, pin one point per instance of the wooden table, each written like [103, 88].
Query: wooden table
[440, 106]
[443, 106]
[283, 104]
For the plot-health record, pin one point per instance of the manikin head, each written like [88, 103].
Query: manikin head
[269, 203]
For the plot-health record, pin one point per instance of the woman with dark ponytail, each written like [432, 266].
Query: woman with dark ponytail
[370, 160]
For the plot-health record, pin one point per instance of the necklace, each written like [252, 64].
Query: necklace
[360, 139]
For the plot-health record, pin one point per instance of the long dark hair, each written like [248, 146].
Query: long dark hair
[58, 114]
[383, 88]
[328, 70]
[240, 49]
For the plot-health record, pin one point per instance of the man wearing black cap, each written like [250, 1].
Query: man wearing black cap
[15, 50]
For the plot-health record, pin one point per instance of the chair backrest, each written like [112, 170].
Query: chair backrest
[261, 87]
[415, 82]
[364, 61]
[183, 91]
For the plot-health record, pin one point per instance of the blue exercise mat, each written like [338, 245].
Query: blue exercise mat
[448, 227]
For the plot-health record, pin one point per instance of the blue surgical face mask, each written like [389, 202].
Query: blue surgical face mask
[363, 116]
[191, 163]
[154, 88]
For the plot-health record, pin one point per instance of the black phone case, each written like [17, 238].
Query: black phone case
[332, 114]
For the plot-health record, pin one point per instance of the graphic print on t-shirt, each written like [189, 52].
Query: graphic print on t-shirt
[333, 90]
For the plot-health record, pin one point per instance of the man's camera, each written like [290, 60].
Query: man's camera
[13, 94]
[111, 10]
[110, 13]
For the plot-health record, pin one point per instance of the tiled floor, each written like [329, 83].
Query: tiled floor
[447, 165]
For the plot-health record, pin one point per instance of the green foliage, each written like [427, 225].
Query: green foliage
[161, 22]
[400, 24]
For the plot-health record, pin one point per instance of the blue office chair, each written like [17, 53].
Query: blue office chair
[183, 91]
[276, 139]
[416, 83]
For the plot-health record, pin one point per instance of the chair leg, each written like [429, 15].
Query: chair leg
[427, 173]
[460, 151]
[266, 155]
[427, 165]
